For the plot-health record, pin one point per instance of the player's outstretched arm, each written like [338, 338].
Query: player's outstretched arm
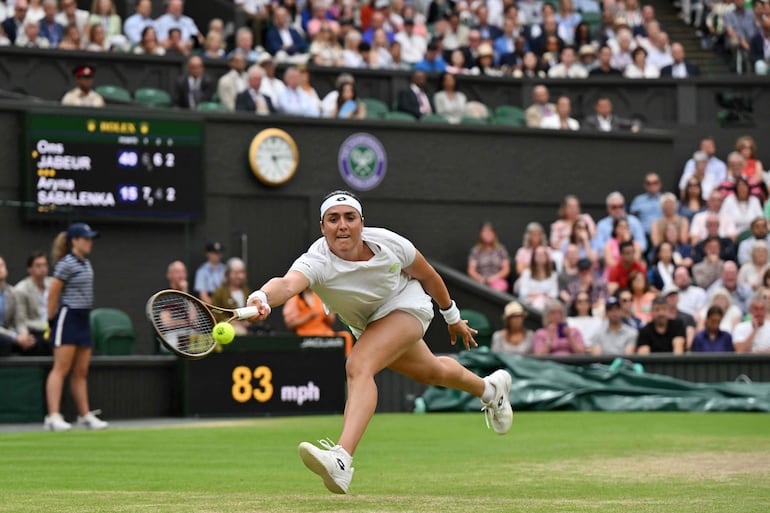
[276, 292]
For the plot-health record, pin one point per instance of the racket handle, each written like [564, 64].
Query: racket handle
[246, 312]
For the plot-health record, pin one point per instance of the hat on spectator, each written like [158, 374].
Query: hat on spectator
[214, 247]
[611, 302]
[485, 50]
[83, 71]
[513, 308]
[700, 156]
[81, 230]
[584, 264]
[587, 50]
[264, 57]
[668, 290]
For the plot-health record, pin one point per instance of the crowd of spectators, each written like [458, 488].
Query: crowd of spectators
[666, 272]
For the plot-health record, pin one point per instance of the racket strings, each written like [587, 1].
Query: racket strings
[183, 323]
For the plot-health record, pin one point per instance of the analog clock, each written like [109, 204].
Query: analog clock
[273, 156]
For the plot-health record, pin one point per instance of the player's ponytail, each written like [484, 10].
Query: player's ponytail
[60, 247]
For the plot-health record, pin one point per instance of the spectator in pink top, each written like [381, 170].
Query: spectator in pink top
[556, 337]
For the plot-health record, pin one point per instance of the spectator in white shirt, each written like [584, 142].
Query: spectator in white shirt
[562, 121]
[413, 46]
[293, 99]
[175, 18]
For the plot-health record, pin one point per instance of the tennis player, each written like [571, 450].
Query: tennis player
[70, 299]
[380, 286]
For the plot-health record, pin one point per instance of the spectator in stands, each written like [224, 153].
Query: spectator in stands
[413, 46]
[32, 302]
[51, 29]
[538, 283]
[306, 315]
[541, 108]
[195, 87]
[514, 338]
[669, 216]
[621, 232]
[639, 67]
[627, 309]
[450, 103]
[581, 239]
[257, 16]
[176, 274]
[351, 55]
[485, 61]
[713, 174]
[293, 100]
[647, 206]
[569, 272]
[83, 95]
[568, 66]
[545, 37]
[663, 265]
[379, 54]
[97, 39]
[759, 48]
[103, 13]
[213, 47]
[736, 163]
[742, 207]
[700, 228]
[31, 37]
[582, 317]
[175, 18]
[244, 43]
[210, 275]
[487, 30]
[753, 335]
[732, 313]
[604, 67]
[618, 275]
[604, 120]
[759, 232]
[149, 43]
[753, 168]
[680, 67]
[662, 335]
[706, 271]
[569, 212]
[234, 82]
[589, 282]
[325, 50]
[70, 299]
[622, 48]
[14, 334]
[740, 28]
[534, 237]
[253, 99]
[641, 295]
[329, 102]
[319, 18]
[681, 247]
[587, 57]
[283, 37]
[616, 209]
[752, 271]
[556, 337]
[135, 24]
[35, 11]
[658, 50]
[613, 336]
[271, 86]
[348, 104]
[712, 338]
[691, 297]
[671, 293]
[71, 39]
[562, 120]
[232, 293]
[740, 293]
[692, 201]
[414, 100]
[433, 62]
[13, 26]
[488, 262]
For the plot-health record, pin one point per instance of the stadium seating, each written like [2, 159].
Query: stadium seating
[114, 93]
[479, 321]
[398, 116]
[152, 97]
[112, 331]
[470, 120]
[434, 118]
[212, 107]
[375, 108]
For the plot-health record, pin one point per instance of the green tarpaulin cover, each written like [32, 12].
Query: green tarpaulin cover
[547, 385]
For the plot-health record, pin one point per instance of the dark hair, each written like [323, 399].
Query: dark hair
[341, 191]
[441, 78]
[714, 310]
[638, 50]
[657, 250]
[616, 222]
[147, 29]
[342, 86]
[34, 256]
[573, 311]
[626, 243]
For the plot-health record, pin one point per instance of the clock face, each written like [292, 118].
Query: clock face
[273, 156]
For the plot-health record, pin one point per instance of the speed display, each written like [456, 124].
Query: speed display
[113, 167]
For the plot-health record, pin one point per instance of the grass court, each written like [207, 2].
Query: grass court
[436, 463]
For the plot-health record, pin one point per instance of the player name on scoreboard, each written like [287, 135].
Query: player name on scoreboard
[119, 169]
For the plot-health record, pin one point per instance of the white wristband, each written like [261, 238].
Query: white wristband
[452, 314]
[258, 294]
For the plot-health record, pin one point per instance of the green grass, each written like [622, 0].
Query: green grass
[550, 462]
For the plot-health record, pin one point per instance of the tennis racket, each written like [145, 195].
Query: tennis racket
[184, 323]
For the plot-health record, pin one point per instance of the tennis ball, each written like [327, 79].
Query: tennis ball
[224, 333]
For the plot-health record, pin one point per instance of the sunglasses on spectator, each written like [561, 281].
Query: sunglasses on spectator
[652, 182]
[625, 300]
[618, 205]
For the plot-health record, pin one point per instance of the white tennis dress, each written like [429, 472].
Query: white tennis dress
[362, 292]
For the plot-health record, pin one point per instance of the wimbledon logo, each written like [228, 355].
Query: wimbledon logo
[362, 161]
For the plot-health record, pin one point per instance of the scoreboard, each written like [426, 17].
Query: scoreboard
[113, 167]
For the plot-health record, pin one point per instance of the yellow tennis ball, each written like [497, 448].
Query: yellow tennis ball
[224, 333]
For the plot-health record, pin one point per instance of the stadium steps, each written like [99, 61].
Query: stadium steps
[708, 62]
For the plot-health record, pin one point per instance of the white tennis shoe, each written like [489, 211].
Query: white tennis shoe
[55, 422]
[91, 421]
[332, 463]
[499, 410]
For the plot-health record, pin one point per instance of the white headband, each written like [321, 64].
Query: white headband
[341, 199]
